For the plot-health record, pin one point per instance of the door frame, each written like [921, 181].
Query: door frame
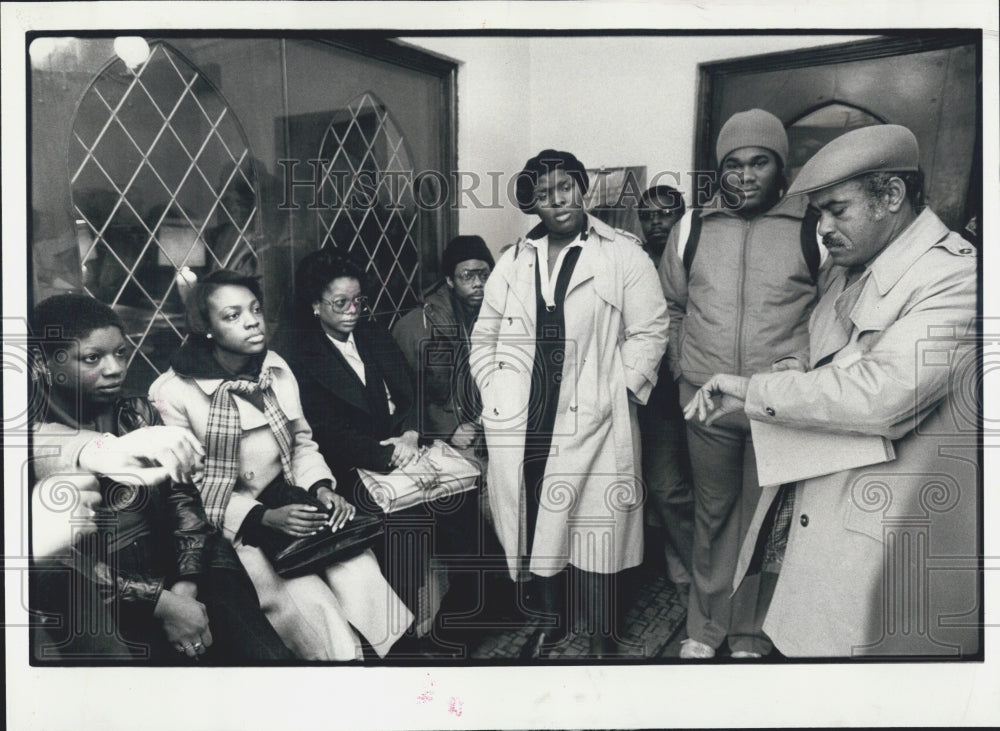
[712, 75]
[384, 47]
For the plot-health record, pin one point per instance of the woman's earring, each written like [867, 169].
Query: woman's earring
[315, 313]
[208, 336]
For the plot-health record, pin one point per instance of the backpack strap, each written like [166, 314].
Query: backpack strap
[688, 237]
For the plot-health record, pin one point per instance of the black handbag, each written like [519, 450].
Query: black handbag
[292, 556]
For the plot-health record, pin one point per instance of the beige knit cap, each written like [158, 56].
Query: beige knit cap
[752, 128]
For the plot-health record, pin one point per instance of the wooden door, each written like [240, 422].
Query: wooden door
[929, 83]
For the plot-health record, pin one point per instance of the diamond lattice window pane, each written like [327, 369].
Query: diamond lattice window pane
[162, 177]
[371, 214]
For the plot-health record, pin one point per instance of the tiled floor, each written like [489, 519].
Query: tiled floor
[653, 627]
[653, 617]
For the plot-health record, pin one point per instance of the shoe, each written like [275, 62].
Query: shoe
[694, 650]
[603, 647]
[541, 643]
[410, 647]
[745, 654]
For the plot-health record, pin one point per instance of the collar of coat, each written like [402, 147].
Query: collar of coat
[194, 360]
[439, 311]
[591, 224]
[924, 233]
[320, 358]
[596, 263]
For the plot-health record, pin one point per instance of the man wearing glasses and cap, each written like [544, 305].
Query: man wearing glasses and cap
[435, 340]
[666, 467]
[891, 343]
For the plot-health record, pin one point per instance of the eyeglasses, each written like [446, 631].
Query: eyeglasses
[342, 304]
[469, 274]
[662, 214]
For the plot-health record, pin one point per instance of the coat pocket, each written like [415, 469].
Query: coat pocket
[869, 496]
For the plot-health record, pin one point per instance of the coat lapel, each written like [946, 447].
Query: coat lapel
[827, 331]
[587, 267]
[331, 369]
[522, 282]
[594, 265]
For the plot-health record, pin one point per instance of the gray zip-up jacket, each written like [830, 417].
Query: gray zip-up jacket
[747, 299]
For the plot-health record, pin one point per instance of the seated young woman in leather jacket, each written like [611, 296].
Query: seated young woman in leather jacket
[140, 573]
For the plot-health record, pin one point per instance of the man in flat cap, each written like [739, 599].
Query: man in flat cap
[568, 341]
[876, 559]
[741, 305]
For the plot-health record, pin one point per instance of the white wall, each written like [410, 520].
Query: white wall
[611, 100]
[494, 117]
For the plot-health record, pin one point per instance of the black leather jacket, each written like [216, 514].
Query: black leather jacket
[143, 518]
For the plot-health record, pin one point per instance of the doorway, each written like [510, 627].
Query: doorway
[929, 83]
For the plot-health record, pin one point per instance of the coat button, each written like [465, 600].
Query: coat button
[557, 378]
[769, 411]
[804, 520]
[965, 251]
[248, 475]
[572, 408]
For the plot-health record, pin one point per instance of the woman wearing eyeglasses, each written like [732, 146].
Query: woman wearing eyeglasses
[356, 388]
[358, 395]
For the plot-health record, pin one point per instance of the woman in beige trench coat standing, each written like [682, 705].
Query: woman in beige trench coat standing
[568, 342]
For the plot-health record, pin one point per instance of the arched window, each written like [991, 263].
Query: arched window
[810, 132]
[368, 183]
[161, 178]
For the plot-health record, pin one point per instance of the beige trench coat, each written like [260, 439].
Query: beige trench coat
[590, 512]
[881, 559]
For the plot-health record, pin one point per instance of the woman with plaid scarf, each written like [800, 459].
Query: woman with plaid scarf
[242, 402]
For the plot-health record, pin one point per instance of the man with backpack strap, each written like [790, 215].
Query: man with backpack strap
[740, 306]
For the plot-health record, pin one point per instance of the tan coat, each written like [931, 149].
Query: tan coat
[186, 402]
[901, 368]
[616, 330]
[312, 614]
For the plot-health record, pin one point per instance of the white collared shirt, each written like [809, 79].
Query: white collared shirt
[349, 349]
[549, 281]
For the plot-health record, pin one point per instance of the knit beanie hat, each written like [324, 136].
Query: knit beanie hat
[752, 128]
[463, 248]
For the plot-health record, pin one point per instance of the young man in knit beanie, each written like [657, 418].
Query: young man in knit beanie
[435, 340]
[740, 306]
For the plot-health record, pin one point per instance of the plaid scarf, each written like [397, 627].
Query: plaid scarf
[223, 432]
[222, 441]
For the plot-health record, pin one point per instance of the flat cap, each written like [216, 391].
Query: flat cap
[879, 148]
